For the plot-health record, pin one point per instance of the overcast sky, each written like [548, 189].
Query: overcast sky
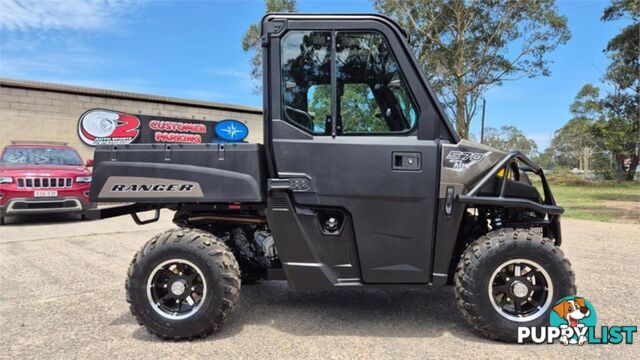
[192, 49]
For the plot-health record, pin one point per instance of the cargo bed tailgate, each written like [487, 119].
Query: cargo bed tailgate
[179, 173]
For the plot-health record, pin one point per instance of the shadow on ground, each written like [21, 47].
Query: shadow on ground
[41, 219]
[399, 313]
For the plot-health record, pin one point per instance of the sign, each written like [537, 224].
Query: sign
[231, 130]
[108, 127]
[105, 127]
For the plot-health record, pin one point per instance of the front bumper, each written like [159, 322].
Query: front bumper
[19, 206]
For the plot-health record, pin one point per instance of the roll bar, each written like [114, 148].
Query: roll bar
[549, 206]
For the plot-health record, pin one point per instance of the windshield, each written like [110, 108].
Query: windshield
[30, 156]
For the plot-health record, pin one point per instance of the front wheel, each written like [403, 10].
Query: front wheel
[183, 284]
[510, 278]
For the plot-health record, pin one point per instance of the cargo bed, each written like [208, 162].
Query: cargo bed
[179, 173]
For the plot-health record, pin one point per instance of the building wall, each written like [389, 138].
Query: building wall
[41, 111]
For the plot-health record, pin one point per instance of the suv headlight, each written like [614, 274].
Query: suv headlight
[6, 179]
[83, 179]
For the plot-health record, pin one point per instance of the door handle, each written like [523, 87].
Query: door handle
[407, 161]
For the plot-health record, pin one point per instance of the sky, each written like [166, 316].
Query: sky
[192, 49]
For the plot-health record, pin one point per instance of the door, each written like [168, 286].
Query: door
[349, 121]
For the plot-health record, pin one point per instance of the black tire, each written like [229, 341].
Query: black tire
[220, 271]
[489, 253]
[252, 270]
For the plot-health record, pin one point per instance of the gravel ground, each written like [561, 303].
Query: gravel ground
[62, 296]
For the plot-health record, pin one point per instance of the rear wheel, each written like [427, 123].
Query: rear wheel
[183, 284]
[510, 278]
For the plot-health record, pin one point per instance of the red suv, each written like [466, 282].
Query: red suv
[43, 177]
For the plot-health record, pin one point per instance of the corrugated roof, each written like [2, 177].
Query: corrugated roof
[123, 95]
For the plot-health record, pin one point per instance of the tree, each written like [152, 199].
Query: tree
[251, 40]
[619, 132]
[624, 48]
[575, 143]
[465, 47]
[510, 138]
[545, 159]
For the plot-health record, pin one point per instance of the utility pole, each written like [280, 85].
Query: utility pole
[484, 105]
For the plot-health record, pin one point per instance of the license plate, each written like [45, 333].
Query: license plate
[45, 193]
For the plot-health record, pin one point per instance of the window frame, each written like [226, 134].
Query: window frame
[414, 103]
[283, 82]
[336, 123]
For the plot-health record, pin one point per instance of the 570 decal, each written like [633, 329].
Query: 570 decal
[457, 159]
[464, 156]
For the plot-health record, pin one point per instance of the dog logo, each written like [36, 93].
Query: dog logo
[575, 314]
[572, 320]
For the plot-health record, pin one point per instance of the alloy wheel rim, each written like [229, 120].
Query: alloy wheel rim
[176, 289]
[520, 290]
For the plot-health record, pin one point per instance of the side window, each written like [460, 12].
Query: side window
[359, 111]
[306, 74]
[373, 97]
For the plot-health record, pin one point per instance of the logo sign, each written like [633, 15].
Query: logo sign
[231, 130]
[572, 320]
[108, 127]
[105, 127]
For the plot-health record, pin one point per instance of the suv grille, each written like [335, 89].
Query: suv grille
[44, 182]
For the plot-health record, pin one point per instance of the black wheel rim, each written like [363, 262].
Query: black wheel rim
[520, 290]
[176, 289]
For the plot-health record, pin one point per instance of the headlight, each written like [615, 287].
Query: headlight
[6, 179]
[83, 179]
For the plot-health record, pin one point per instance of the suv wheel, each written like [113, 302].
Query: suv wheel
[510, 278]
[183, 284]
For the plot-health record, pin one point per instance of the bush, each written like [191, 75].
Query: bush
[566, 177]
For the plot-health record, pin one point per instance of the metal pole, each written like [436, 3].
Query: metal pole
[484, 105]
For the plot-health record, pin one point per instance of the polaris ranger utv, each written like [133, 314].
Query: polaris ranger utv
[361, 182]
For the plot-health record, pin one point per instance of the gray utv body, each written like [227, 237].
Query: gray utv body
[383, 209]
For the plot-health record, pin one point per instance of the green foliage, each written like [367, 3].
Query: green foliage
[359, 110]
[545, 159]
[467, 46]
[510, 138]
[619, 131]
[587, 104]
[319, 105]
[574, 144]
[251, 38]
[607, 130]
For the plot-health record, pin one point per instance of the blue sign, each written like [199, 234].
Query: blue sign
[231, 130]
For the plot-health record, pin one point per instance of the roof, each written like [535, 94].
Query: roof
[123, 95]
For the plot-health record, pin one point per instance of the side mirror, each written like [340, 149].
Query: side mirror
[89, 162]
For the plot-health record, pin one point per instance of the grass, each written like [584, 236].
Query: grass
[600, 201]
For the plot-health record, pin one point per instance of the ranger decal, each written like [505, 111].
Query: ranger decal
[147, 187]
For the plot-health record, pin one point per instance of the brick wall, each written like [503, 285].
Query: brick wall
[41, 111]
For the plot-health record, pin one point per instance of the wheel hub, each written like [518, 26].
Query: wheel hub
[519, 289]
[178, 287]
